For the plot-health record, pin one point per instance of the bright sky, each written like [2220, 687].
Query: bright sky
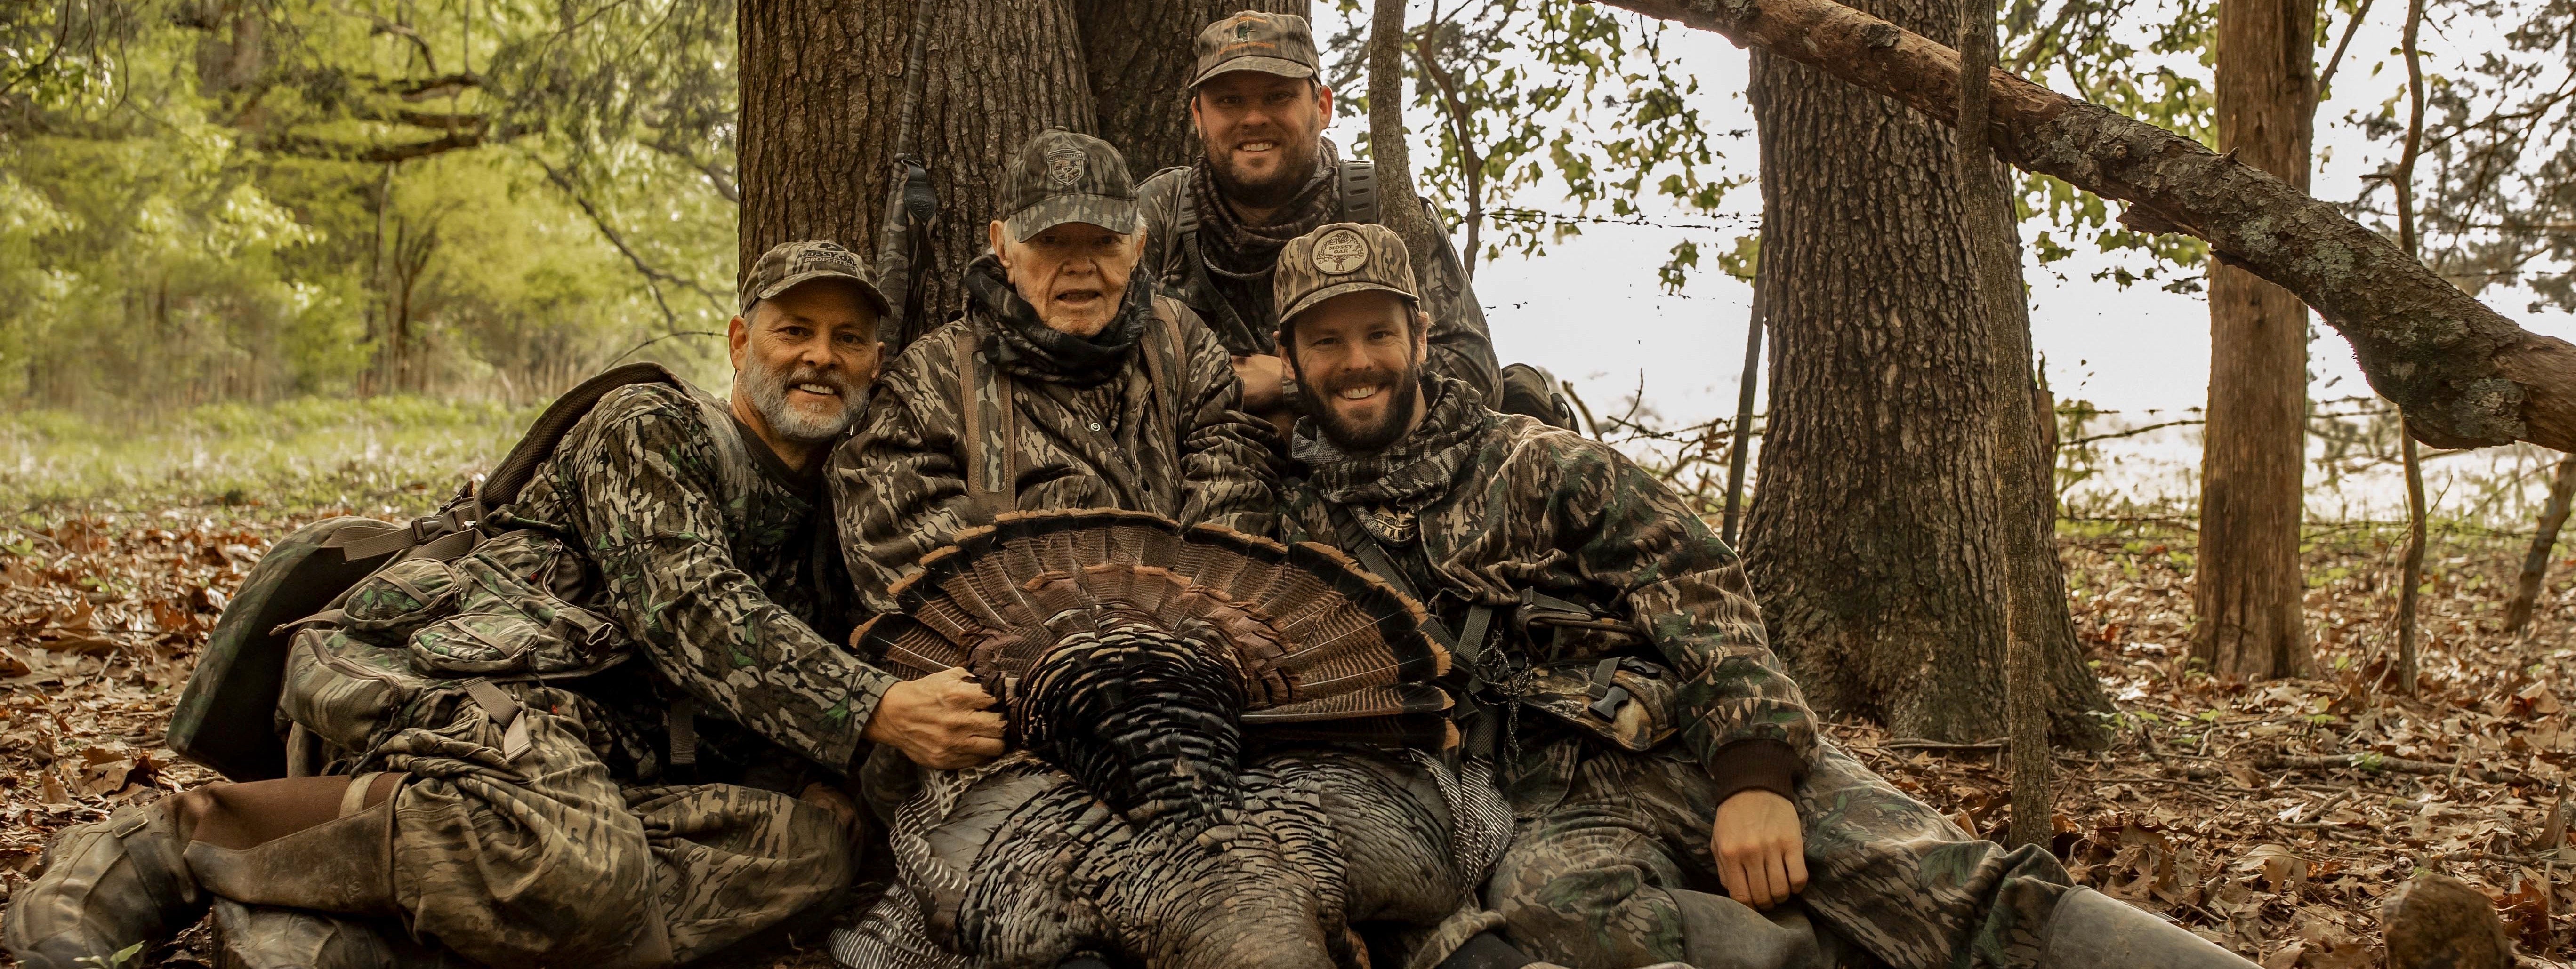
[1591, 309]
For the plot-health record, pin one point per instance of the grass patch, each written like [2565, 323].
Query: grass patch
[389, 453]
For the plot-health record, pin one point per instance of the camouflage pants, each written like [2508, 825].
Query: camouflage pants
[542, 859]
[1610, 867]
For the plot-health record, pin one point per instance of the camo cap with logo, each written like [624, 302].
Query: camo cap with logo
[1272, 43]
[1062, 176]
[788, 265]
[1344, 257]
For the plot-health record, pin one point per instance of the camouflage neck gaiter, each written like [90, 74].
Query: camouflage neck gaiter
[1409, 473]
[1023, 345]
[1244, 253]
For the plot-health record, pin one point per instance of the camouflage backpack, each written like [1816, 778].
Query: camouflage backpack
[348, 619]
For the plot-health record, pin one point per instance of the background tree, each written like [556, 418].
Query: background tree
[2247, 584]
[250, 200]
[1877, 540]
[822, 88]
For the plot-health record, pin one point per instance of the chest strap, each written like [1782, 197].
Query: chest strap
[503, 712]
[1466, 647]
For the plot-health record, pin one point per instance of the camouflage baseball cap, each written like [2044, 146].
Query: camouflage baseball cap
[1272, 43]
[1062, 176]
[1344, 257]
[788, 265]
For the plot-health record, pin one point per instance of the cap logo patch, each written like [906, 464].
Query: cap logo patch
[1341, 252]
[1064, 166]
[1243, 29]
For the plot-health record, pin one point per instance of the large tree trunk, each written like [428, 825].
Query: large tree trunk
[823, 85]
[2247, 584]
[1873, 538]
[2464, 375]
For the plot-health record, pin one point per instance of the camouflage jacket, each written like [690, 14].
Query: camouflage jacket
[738, 603]
[901, 483]
[1478, 506]
[1461, 347]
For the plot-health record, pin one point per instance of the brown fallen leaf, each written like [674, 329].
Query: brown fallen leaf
[12, 664]
[2285, 957]
[53, 787]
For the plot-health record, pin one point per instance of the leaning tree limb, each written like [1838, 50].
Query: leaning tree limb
[2464, 375]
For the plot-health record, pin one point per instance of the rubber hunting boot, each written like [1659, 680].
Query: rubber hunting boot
[108, 887]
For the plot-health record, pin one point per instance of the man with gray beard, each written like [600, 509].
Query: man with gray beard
[638, 813]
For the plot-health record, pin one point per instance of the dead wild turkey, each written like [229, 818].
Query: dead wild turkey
[1137, 662]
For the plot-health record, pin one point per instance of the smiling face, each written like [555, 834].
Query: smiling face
[1359, 356]
[1075, 274]
[803, 361]
[1262, 133]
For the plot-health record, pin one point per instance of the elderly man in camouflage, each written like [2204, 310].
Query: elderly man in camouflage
[697, 527]
[1065, 384]
[1267, 175]
[1646, 737]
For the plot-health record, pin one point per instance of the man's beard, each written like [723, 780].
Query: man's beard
[1375, 435]
[1279, 189]
[767, 388]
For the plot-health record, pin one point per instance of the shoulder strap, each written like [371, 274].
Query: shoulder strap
[1359, 190]
[1163, 367]
[733, 454]
[991, 451]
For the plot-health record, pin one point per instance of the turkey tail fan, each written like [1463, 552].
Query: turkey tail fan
[1303, 630]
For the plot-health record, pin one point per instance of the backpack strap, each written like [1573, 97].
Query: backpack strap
[1359, 190]
[992, 449]
[1163, 366]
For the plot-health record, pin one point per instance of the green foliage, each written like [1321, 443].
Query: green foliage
[252, 200]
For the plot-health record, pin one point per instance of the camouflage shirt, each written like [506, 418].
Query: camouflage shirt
[901, 483]
[736, 601]
[1477, 506]
[1245, 319]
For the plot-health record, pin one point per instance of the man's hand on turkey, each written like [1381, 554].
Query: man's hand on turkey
[1761, 858]
[943, 721]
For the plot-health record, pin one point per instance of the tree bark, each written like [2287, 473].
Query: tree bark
[2247, 585]
[822, 87]
[1871, 543]
[2029, 590]
[1399, 208]
[2465, 375]
[2535, 563]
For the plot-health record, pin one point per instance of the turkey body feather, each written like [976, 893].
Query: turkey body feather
[1137, 661]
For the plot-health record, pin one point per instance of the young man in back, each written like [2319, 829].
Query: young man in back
[1267, 174]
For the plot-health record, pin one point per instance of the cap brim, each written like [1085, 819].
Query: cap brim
[1106, 211]
[1316, 298]
[1266, 65]
[866, 288]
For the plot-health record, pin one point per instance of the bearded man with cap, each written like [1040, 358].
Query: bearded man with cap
[1614, 671]
[1067, 382]
[547, 821]
[1267, 174]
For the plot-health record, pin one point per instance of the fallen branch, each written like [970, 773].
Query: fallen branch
[2464, 375]
[2371, 763]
